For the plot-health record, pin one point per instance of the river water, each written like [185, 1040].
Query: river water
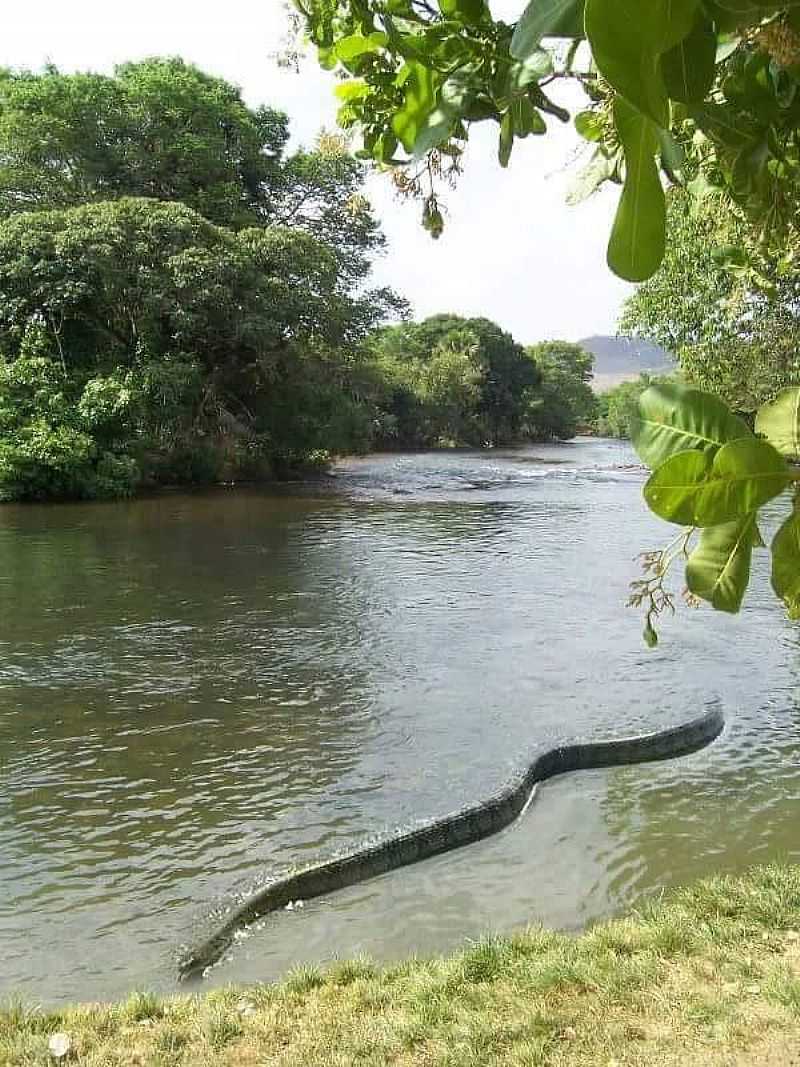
[198, 689]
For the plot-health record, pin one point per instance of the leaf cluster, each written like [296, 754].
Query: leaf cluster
[712, 474]
[702, 92]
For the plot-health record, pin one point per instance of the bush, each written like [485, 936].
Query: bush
[61, 438]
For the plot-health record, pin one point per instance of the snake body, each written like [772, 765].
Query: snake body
[462, 827]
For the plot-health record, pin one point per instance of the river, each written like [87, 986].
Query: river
[198, 689]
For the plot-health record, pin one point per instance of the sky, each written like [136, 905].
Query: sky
[512, 249]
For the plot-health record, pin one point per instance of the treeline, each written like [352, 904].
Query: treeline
[616, 408]
[182, 300]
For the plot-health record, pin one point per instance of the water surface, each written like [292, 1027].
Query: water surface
[198, 689]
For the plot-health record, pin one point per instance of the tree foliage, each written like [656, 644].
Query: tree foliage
[730, 312]
[458, 381]
[690, 89]
[159, 128]
[164, 129]
[618, 408]
[185, 334]
[567, 371]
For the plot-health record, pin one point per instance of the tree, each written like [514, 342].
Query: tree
[454, 379]
[165, 253]
[568, 369]
[137, 330]
[160, 128]
[731, 316]
[618, 409]
[164, 129]
[718, 77]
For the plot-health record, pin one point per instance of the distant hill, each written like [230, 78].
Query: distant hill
[620, 359]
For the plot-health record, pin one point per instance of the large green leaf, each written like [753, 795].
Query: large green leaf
[546, 18]
[434, 129]
[779, 422]
[419, 101]
[697, 489]
[673, 418]
[638, 237]
[671, 490]
[627, 39]
[688, 68]
[718, 570]
[506, 142]
[786, 565]
[538, 65]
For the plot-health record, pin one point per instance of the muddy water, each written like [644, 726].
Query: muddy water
[198, 689]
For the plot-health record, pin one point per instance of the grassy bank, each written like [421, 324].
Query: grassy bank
[709, 976]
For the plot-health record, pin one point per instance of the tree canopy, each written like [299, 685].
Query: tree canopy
[731, 317]
[567, 371]
[164, 129]
[135, 330]
[160, 128]
[180, 299]
[462, 381]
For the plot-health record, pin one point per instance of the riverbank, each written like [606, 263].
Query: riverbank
[710, 975]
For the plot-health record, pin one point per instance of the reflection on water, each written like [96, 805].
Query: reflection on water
[199, 689]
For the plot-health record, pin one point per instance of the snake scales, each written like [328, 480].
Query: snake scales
[452, 831]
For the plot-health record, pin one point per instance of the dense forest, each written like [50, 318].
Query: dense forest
[183, 300]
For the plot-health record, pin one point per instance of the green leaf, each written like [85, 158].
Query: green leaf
[506, 138]
[546, 18]
[469, 11]
[435, 129]
[649, 634]
[538, 65]
[721, 123]
[688, 68]
[638, 237]
[671, 490]
[673, 418]
[673, 159]
[627, 39]
[354, 89]
[384, 148]
[786, 565]
[718, 570]
[779, 422]
[357, 45]
[526, 118]
[589, 126]
[697, 489]
[457, 93]
[418, 85]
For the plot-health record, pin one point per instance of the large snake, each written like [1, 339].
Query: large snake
[452, 831]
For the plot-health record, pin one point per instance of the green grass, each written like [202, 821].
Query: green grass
[710, 975]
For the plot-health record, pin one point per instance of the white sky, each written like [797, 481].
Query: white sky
[512, 250]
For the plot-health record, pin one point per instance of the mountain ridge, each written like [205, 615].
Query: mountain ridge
[620, 359]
